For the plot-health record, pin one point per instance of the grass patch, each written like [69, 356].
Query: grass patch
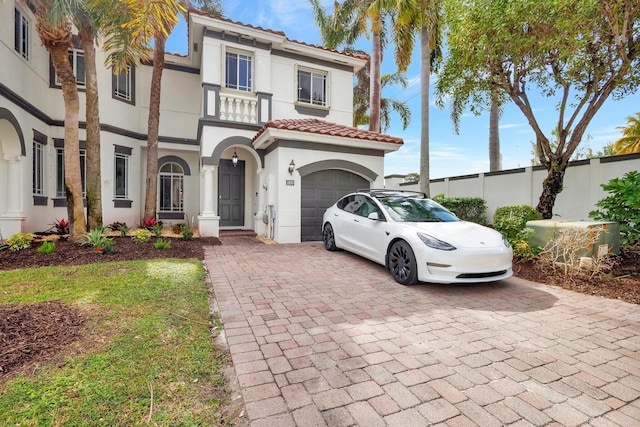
[147, 334]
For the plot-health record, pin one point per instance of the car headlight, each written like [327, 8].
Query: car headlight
[506, 242]
[434, 243]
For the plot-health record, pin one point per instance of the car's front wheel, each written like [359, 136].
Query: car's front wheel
[328, 238]
[402, 263]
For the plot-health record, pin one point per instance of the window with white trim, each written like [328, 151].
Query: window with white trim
[123, 84]
[171, 179]
[76, 59]
[60, 190]
[238, 71]
[38, 168]
[121, 176]
[21, 33]
[312, 87]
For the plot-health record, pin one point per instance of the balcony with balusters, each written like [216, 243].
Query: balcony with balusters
[222, 105]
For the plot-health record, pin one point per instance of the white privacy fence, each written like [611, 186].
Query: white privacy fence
[523, 186]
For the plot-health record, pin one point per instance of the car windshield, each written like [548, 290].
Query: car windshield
[412, 209]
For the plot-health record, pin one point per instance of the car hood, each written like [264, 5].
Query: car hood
[461, 234]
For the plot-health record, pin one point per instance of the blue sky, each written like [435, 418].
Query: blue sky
[451, 154]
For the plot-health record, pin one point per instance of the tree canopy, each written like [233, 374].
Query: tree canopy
[576, 54]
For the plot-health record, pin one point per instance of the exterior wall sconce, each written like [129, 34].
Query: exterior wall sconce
[292, 167]
[234, 159]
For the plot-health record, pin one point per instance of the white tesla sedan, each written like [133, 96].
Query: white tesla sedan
[415, 238]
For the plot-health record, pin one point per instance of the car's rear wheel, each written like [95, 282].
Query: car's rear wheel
[402, 263]
[328, 238]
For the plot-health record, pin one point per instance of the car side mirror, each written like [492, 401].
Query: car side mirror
[374, 216]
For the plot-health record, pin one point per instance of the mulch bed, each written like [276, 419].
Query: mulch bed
[621, 282]
[34, 332]
[70, 253]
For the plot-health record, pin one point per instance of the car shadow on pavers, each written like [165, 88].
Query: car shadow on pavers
[327, 338]
[503, 295]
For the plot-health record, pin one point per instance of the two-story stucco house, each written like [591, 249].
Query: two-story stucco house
[255, 132]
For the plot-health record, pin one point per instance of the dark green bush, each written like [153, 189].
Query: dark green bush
[622, 206]
[473, 209]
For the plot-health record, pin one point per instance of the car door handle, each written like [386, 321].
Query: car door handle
[355, 220]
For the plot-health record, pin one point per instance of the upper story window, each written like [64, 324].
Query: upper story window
[21, 33]
[238, 71]
[123, 85]
[312, 88]
[76, 59]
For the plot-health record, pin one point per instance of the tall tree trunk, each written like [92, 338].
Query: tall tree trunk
[425, 76]
[551, 187]
[374, 85]
[495, 161]
[72, 176]
[93, 173]
[151, 197]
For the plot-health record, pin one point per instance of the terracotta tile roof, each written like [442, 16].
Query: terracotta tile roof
[280, 33]
[326, 128]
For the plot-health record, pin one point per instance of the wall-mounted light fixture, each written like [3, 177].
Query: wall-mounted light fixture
[292, 167]
[234, 159]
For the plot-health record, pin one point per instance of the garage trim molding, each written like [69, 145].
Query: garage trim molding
[338, 164]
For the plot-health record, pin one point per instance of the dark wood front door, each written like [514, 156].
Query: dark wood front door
[231, 194]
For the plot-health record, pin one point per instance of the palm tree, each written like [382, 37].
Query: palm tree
[419, 18]
[387, 105]
[495, 160]
[630, 141]
[85, 21]
[54, 30]
[349, 21]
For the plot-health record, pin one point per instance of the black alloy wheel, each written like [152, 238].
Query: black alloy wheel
[328, 238]
[402, 263]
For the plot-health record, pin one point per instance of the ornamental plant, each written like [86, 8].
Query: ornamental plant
[149, 223]
[20, 241]
[622, 206]
[141, 236]
[157, 229]
[187, 232]
[162, 244]
[101, 244]
[47, 247]
[60, 226]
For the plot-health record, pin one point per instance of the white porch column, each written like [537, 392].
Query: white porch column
[14, 187]
[12, 218]
[259, 226]
[208, 221]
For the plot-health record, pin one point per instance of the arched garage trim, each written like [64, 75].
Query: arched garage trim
[174, 159]
[214, 159]
[8, 116]
[338, 164]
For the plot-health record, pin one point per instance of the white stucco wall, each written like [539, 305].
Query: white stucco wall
[581, 191]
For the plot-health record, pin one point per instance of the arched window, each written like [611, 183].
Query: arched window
[171, 179]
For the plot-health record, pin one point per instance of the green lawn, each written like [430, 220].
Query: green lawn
[148, 334]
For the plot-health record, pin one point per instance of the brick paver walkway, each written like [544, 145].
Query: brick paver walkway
[328, 338]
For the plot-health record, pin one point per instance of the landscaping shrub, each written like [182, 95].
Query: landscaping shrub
[60, 226]
[622, 206]
[119, 226]
[511, 221]
[157, 229]
[20, 241]
[186, 231]
[162, 244]
[102, 244]
[46, 248]
[141, 236]
[473, 209]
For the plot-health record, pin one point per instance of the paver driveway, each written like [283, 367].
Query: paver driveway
[328, 338]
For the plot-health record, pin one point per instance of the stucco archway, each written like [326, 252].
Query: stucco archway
[13, 152]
